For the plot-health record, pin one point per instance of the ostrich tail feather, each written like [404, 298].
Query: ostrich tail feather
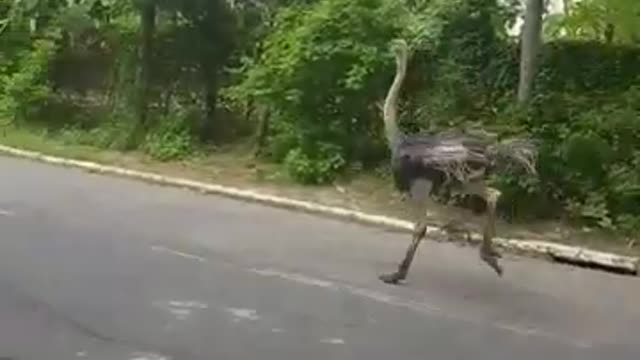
[515, 152]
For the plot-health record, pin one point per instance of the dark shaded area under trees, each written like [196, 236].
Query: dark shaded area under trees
[304, 80]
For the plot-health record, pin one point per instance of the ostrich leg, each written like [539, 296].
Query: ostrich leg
[403, 269]
[419, 196]
[488, 254]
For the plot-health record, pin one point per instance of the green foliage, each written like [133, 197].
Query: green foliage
[24, 89]
[605, 20]
[462, 63]
[588, 68]
[317, 167]
[171, 140]
[321, 69]
[590, 150]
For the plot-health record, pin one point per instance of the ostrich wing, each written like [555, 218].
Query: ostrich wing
[456, 156]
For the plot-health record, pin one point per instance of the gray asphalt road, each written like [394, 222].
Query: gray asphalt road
[103, 268]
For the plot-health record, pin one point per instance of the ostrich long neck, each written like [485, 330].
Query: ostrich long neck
[390, 109]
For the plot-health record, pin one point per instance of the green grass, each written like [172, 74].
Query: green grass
[39, 141]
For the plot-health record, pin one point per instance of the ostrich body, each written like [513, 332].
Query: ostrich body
[423, 164]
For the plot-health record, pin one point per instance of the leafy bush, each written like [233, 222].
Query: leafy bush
[170, 140]
[24, 86]
[321, 68]
[320, 166]
[589, 156]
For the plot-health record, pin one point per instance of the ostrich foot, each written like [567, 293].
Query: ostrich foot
[392, 278]
[490, 256]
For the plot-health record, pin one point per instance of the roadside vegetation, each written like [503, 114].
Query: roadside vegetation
[287, 93]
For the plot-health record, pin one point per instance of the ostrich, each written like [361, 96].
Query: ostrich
[424, 164]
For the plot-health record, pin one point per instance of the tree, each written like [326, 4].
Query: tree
[531, 42]
[147, 11]
[605, 20]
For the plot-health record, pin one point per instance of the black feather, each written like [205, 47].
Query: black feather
[453, 158]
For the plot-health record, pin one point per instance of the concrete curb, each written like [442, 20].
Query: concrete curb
[552, 251]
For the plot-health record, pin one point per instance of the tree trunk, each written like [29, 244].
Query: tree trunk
[210, 75]
[263, 132]
[609, 32]
[147, 30]
[248, 110]
[531, 42]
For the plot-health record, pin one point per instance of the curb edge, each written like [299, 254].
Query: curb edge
[553, 251]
